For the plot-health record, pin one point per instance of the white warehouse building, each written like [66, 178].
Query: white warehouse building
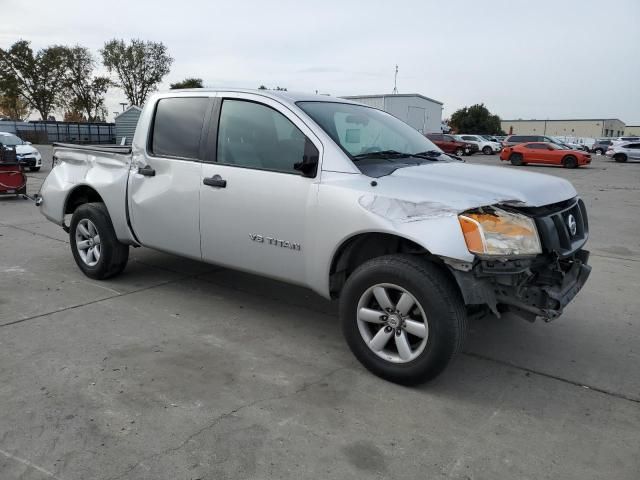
[422, 113]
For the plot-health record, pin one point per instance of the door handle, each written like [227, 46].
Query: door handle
[147, 171]
[215, 181]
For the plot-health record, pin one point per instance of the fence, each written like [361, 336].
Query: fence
[68, 132]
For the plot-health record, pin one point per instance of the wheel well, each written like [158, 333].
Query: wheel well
[80, 195]
[363, 247]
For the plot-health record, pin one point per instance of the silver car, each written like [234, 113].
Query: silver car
[624, 151]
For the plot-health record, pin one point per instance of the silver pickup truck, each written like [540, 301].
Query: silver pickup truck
[338, 197]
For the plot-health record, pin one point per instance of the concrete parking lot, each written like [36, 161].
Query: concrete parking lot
[182, 370]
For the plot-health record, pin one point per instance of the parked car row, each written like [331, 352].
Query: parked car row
[465, 144]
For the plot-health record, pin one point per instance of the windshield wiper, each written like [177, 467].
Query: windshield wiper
[381, 154]
[428, 155]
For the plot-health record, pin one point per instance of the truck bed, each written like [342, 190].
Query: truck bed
[122, 149]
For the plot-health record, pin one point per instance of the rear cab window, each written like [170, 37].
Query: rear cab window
[177, 127]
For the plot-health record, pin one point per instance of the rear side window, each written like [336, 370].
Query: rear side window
[435, 136]
[448, 138]
[469, 137]
[516, 138]
[253, 135]
[537, 146]
[177, 127]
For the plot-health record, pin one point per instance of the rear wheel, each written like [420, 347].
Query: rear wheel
[94, 244]
[516, 159]
[570, 161]
[620, 157]
[402, 318]
[487, 150]
[459, 152]
[598, 151]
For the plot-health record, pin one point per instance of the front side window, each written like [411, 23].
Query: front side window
[537, 146]
[253, 135]
[362, 130]
[177, 127]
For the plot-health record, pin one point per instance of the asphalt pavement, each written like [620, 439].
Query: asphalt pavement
[182, 370]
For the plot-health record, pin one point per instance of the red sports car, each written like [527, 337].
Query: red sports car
[546, 153]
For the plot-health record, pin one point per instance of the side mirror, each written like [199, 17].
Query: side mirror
[310, 158]
[27, 143]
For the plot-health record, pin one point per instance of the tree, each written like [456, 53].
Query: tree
[280, 89]
[38, 78]
[475, 119]
[85, 92]
[187, 83]
[74, 116]
[12, 105]
[139, 66]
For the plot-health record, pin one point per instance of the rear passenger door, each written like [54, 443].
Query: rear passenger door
[164, 184]
[254, 205]
[633, 151]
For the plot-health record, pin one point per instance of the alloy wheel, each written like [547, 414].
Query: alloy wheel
[392, 323]
[88, 242]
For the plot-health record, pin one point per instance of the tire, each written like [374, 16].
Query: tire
[516, 159]
[109, 256]
[620, 157]
[570, 162]
[437, 310]
[459, 152]
[598, 151]
[34, 169]
[487, 150]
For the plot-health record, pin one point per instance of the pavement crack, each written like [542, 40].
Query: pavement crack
[213, 423]
[604, 391]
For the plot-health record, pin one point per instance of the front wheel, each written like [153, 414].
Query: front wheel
[620, 157]
[94, 244]
[487, 150]
[516, 159]
[402, 318]
[598, 151]
[570, 162]
[459, 152]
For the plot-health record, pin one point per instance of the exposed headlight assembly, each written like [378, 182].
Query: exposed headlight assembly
[492, 231]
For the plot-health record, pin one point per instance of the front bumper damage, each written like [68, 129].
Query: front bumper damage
[533, 288]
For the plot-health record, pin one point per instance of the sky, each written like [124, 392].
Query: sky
[534, 59]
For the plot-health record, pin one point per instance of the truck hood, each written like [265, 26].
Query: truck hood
[449, 188]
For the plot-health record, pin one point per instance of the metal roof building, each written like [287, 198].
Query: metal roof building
[422, 113]
[577, 127]
[126, 124]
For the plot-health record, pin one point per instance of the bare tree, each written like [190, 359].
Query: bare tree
[38, 78]
[140, 66]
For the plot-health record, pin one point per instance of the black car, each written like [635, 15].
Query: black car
[601, 146]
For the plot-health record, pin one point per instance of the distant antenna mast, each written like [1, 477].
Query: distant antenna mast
[395, 82]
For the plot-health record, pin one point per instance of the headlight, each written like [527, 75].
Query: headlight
[493, 231]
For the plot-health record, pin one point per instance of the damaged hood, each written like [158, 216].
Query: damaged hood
[448, 188]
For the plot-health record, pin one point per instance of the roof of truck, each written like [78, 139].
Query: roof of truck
[277, 94]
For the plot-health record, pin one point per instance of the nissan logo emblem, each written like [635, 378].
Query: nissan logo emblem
[572, 225]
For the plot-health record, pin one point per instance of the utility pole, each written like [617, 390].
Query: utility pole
[124, 104]
[395, 82]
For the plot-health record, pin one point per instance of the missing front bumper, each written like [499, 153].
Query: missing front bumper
[535, 288]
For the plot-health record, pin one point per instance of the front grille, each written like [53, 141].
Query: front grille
[552, 222]
[555, 230]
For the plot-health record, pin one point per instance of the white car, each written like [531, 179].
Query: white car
[28, 156]
[621, 152]
[485, 146]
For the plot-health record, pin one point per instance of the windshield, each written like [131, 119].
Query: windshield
[10, 140]
[365, 131]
